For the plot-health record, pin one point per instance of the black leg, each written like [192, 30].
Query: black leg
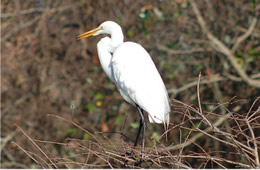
[143, 126]
[138, 132]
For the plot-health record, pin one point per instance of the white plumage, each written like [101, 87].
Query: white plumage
[133, 72]
[138, 81]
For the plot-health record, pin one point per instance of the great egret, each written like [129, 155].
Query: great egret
[132, 70]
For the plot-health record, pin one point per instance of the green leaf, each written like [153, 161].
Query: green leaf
[240, 62]
[254, 52]
[156, 136]
[119, 119]
[252, 4]
[119, 21]
[130, 33]
[197, 124]
[185, 133]
[86, 136]
[71, 131]
[99, 96]
[90, 107]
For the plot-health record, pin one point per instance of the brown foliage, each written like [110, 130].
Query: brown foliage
[56, 98]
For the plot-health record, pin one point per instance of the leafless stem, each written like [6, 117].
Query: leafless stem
[22, 12]
[26, 153]
[178, 52]
[5, 140]
[219, 46]
[36, 146]
[213, 78]
[245, 35]
[255, 144]
[19, 28]
[200, 111]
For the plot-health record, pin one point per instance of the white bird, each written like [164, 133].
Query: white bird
[131, 69]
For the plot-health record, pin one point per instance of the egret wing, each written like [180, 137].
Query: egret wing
[139, 82]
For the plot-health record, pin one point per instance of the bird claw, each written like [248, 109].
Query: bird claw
[139, 162]
[130, 153]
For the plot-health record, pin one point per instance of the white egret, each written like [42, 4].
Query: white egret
[131, 69]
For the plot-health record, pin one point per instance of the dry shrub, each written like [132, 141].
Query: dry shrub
[46, 71]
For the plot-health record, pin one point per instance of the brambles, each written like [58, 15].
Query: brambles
[45, 70]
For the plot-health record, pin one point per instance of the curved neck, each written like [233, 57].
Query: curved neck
[117, 38]
[105, 56]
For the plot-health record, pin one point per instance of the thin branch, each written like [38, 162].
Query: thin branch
[178, 52]
[75, 124]
[20, 27]
[32, 10]
[22, 12]
[26, 153]
[200, 111]
[219, 46]
[5, 140]
[197, 136]
[213, 78]
[245, 35]
[255, 145]
[36, 146]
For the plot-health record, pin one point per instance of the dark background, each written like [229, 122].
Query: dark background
[46, 71]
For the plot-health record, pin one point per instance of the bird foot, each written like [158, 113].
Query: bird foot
[138, 161]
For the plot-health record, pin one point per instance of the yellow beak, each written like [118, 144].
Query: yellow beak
[89, 33]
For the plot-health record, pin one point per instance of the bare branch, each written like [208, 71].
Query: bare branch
[23, 12]
[20, 27]
[177, 52]
[255, 145]
[213, 78]
[37, 146]
[197, 136]
[26, 153]
[200, 111]
[219, 46]
[245, 35]
[5, 140]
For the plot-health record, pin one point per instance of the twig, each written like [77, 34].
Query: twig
[22, 12]
[197, 136]
[200, 111]
[178, 52]
[32, 10]
[257, 111]
[245, 35]
[27, 153]
[93, 152]
[255, 145]
[36, 146]
[75, 124]
[256, 33]
[16, 103]
[5, 140]
[213, 78]
[20, 27]
[219, 46]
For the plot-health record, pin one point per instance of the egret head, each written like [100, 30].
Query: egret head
[107, 27]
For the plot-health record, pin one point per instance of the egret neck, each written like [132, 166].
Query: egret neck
[117, 38]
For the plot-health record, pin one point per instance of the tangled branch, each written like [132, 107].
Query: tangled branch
[220, 46]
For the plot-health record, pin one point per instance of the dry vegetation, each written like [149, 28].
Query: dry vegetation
[59, 110]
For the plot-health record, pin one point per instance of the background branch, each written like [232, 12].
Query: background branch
[219, 46]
